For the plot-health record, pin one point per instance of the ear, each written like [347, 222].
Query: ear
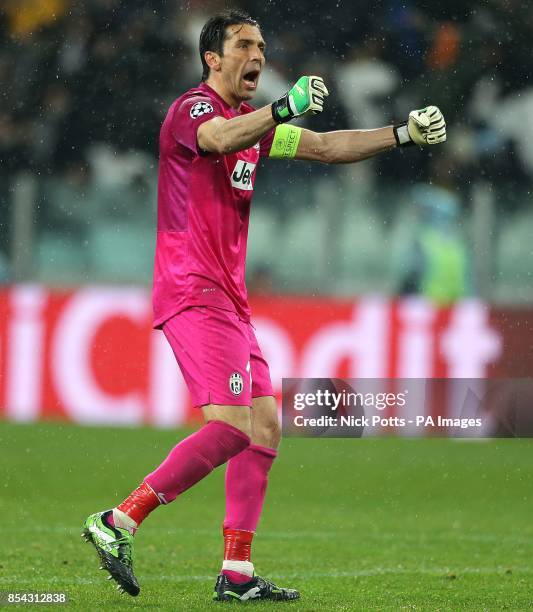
[212, 60]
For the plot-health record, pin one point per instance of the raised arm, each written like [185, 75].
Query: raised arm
[344, 147]
[424, 127]
[220, 135]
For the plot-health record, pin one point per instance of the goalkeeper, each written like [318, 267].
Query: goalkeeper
[210, 145]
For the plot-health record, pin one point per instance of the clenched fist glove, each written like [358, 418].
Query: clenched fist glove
[306, 96]
[424, 127]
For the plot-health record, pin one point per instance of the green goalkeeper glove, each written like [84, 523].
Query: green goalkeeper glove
[424, 127]
[306, 96]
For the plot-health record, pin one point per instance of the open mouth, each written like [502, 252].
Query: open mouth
[250, 78]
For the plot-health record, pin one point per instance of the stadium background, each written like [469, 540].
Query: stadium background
[415, 264]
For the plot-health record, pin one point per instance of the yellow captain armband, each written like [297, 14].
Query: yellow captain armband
[285, 143]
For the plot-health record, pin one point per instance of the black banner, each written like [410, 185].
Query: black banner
[440, 407]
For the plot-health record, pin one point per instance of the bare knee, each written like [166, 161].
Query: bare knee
[267, 434]
[237, 416]
[266, 430]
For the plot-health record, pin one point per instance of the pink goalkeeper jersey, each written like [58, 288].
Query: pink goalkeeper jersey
[203, 211]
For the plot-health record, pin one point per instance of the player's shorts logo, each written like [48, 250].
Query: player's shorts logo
[235, 383]
[241, 177]
[199, 109]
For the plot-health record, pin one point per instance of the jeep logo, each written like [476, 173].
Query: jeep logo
[241, 177]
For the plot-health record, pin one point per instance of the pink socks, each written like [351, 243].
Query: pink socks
[246, 483]
[195, 457]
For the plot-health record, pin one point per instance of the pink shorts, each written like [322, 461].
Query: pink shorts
[218, 356]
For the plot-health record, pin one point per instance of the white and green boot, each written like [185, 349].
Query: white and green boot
[114, 546]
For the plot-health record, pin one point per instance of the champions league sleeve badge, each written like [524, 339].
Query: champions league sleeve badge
[199, 109]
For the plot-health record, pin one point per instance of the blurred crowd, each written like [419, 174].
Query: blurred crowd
[90, 80]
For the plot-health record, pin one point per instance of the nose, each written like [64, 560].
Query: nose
[257, 54]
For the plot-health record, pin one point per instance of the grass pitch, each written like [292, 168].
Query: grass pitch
[380, 524]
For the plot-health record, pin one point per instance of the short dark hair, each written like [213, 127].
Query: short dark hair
[214, 33]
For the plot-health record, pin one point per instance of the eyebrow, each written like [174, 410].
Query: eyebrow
[261, 43]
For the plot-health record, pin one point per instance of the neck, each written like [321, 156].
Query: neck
[223, 93]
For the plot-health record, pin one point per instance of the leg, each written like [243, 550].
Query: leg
[236, 416]
[246, 484]
[212, 350]
[111, 532]
[223, 436]
[266, 430]
[247, 473]
[227, 432]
